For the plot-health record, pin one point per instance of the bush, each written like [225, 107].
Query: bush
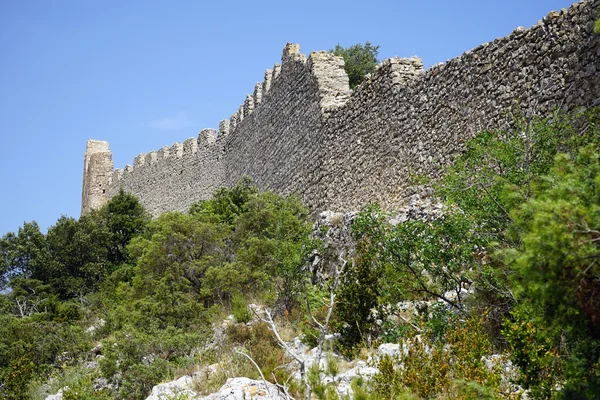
[135, 361]
[434, 365]
[241, 312]
[259, 343]
[359, 60]
[531, 350]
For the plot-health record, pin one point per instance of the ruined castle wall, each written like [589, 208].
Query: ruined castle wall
[303, 131]
[278, 144]
[395, 126]
[174, 177]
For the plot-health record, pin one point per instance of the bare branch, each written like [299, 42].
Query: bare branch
[302, 364]
[284, 386]
[259, 371]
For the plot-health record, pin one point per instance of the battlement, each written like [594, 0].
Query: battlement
[303, 130]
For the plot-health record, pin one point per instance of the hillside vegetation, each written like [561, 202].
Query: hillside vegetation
[114, 303]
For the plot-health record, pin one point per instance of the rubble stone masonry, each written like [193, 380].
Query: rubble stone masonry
[304, 131]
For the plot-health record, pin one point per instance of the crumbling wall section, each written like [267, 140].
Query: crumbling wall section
[277, 140]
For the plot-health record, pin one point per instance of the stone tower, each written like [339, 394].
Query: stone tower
[97, 171]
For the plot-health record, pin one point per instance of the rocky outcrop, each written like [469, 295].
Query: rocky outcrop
[334, 230]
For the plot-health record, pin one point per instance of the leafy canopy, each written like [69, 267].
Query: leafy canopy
[359, 60]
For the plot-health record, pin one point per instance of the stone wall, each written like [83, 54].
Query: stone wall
[304, 131]
[172, 178]
[279, 144]
[389, 130]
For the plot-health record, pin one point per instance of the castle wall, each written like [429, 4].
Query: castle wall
[390, 129]
[303, 131]
[174, 177]
[279, 143]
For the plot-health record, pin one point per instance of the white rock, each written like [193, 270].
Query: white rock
[389, 349]
[344, 380]
[97, 325]
[246, 389]
[310, 356]
[57, 396]
[179, 387]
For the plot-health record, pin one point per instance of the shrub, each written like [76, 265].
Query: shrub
[241, 312]
[359, 60]
[432, 367]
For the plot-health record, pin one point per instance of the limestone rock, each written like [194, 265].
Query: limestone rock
[57, 396]
[246, 389]
[344, 380]
[180, 387]
[389, 349]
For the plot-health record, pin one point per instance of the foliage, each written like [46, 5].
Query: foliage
[532, 352]
[22, 254]
[226, 205]
[241, 312]
[19, 372]
[184, 267]
[136, 360]
[270, 240]
[361, 294]
[48, 277]
[558, 270]
[78, 383]
[432, 367]
[316, 300]
[125, 218]
[498, 169]
[531, 193]
[32, 345]
[359, 60]
[74, 257]
[413, 260]
[558, 260]
[260, 344]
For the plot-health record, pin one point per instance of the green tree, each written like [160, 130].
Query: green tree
[170, 266]
[78, 256]
[75, 256]
[266, 244]
[558, 264]
[359, 60]
[23, 254]
[226, 204]
[125, 218]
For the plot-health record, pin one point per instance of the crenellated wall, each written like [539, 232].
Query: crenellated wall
[173, 177]
[304, 131]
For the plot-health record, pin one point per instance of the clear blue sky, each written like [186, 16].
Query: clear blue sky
[144, 74]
